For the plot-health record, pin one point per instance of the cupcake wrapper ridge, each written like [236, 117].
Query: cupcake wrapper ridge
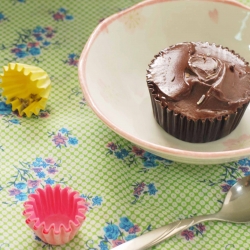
[189, 130]
[25, 87]
[54, 214]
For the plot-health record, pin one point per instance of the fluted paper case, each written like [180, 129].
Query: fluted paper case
[25, 87]
[55, 214]
[195, 131]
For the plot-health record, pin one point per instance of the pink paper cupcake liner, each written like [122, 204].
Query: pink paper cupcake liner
[55, 214]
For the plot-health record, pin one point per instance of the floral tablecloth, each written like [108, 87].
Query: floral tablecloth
[129, 191]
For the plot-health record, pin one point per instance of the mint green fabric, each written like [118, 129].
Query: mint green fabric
[129, 191]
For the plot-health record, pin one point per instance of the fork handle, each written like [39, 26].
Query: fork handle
[156, 236]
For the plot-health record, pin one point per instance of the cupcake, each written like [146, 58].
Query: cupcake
[199, 91]
[55, 214]
[25, 87]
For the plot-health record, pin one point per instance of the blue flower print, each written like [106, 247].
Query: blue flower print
[124, 152]
[32, 190]
[72, 56]
[38, 29]
[111, 231]
[32, 175]
[15, 121]
[150, 156]
[140, 189]
[21, 54]
[244, 162]
[21, 46]
[21, 185]
[247, 173]
[92, 201]
[83, 196]
[97, 201]
[125, 224]
[46, 43]
[33, 41]
[35, 51]
[121, 154]
[62, 138]
[103, 246]
[64, 131]
[49, 181]
[5, 109]
[115, 235]
[62, 10]
[39, 38]
[69, 17]
[73, 141]
[231, 182]
[72, 59]
[37, 238]
[150, 164]
[21, 197]
[41, 175]
[62, 15]
[130, 237]
[151, 189]
[136, 156]
[2, 17]
[39, 162]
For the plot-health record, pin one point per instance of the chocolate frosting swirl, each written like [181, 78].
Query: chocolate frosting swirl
[200, 80]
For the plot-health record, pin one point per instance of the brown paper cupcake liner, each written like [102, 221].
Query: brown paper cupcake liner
[195, 131]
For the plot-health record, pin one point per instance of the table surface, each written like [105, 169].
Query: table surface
[69, 145]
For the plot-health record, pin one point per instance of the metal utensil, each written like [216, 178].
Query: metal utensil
[236, 208]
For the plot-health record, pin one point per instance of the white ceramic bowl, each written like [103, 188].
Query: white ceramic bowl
[113, 66]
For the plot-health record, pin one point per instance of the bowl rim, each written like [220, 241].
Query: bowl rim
[140, 142]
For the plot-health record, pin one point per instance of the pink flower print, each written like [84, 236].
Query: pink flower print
[214, 15]
[15, 50]
[225, 187]
[14, 191]
[49, 35]
[44, 114]
[102, 19]
[73, 62]
[201, 227]
[33, 183]
[137, 151]
[50, 161]
[37, 170]
[241, 142]
[244, 169]
[58, 16]
[38, 36]
[48, 28]
[134, 229]
[112, 146]
[116, 243]
[189, 235]
[138, 191]
[33, 44]
[142, 185]
[52, 170]
[60, 140]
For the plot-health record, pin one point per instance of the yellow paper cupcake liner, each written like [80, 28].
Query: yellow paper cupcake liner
[25, 87]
